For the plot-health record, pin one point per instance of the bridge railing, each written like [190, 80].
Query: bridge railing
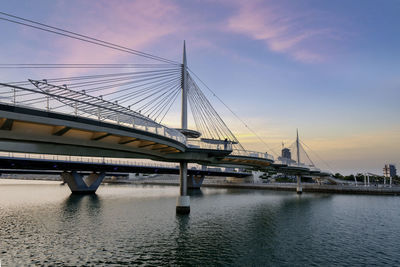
[252, 154]
[60, 100]
[113, 161]
[207, 145]
[84, 159]
[314, 169]
[295, 164]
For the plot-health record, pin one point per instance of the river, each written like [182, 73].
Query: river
[41, 223]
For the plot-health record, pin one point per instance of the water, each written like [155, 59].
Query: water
[42, 224]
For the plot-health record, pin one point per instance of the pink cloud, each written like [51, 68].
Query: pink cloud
[283, 30]
[133, 24]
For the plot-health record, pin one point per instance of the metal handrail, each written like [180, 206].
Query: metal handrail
[116, 114]
[253, 154]
[101, 160]
[205, 145]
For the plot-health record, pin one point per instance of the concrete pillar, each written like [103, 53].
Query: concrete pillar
[299, 188]
[195, 181]
[183, 201]
[79, 185]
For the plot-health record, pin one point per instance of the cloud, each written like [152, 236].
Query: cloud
[133, 24]
[284, 30]
[351, 151]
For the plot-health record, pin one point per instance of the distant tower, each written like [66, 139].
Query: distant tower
[298, 148]
[286, 153]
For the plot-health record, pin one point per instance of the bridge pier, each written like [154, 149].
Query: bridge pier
[183, 201]
[195, 181]
[79, 185]
[299, 188]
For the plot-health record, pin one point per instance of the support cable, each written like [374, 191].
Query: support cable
[156, 112]
[250, 129]
[197, 112]
[218, 124]
[320, 158]
[81, 37]
[81, 65]
[166, 112]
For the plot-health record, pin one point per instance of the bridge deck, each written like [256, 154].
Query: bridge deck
[29, 130]
[11, 165]
[57, 133]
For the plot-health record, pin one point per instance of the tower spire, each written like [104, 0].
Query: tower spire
[298, 147]
[299, 188]
[184, 53]
[184, 89]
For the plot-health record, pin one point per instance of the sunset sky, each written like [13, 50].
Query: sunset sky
[329, 68]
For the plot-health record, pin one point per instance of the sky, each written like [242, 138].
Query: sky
[329, 68]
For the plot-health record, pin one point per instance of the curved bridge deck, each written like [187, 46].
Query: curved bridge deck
[29, 130]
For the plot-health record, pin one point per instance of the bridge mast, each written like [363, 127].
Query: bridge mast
[183, 201]
[298, 146]
[184, 90]
[299, 188]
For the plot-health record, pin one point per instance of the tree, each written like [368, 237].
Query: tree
[338, 176]
[349, 177]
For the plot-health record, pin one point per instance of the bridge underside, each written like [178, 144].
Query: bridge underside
[238, 161]
[32, 131]
[296, 170]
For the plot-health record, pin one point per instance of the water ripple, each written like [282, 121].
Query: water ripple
[42, 224]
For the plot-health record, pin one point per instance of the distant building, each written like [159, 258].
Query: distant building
[389, 170]
[286, 153]
[286, 157]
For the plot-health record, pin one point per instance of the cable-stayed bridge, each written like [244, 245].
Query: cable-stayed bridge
[123, 115]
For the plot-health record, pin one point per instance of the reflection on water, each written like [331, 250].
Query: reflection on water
[43, 224]
[195, 193]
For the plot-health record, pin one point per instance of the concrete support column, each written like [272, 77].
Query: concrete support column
[80, 185]
[195, 181]
[299, 188]
[183, 201]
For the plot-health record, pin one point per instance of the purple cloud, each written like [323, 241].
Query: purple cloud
[282, 29]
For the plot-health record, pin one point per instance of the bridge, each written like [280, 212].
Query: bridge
[99, 167]
[120, 115]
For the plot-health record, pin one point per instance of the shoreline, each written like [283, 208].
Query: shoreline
[308, 188]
